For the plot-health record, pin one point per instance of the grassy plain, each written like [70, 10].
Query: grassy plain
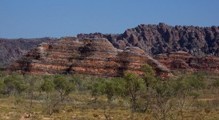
[80, 104]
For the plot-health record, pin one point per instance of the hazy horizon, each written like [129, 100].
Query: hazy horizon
[36, 19]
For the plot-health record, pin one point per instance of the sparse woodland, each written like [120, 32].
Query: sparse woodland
[189, 96]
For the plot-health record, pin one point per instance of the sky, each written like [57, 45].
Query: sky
[59, 18]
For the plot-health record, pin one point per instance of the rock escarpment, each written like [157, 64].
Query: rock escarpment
[13, 49]
[184, 61]
[162, 46]
[162, 38]
[85, 56]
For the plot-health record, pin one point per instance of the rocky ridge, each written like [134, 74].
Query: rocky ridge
[13, 49]
[162, 38]
[86, 56]
[164, 47]
[184, 61]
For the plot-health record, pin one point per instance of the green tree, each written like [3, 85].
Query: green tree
[163, 94]
[63, 86]
[148, 76]
[186, 88]
[2, 86]
[48, 87]
[119, 86]
[32, 88]
[98, 88]
[15, 84]
[215, 86]
[216, 83]
[113, 88]
[134, 85]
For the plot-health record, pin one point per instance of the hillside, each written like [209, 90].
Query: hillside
[85, 56]
[162, 38]
[177, 47]
[67, 77]
[13, 49]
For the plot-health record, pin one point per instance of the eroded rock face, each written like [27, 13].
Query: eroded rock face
[162, 46]
[87, 56]
[13, 49]
[162, 38]
[184, 61]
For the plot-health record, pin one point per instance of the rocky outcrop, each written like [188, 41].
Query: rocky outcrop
[184, 61]
[162, 38]
[188, 48]
[13, 49]
[86, 56]
[162, 46]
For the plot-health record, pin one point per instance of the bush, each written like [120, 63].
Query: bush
[148, 76]
[133, 86]
[216, 83]
[47, 86]
[63, 86]
[15, 84]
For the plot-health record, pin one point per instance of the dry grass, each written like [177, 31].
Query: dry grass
[80, 105]
[85, 109]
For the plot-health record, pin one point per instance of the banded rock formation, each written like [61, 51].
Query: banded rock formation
[174, 47]
[13, 49]
[181, 60]
[88, 56]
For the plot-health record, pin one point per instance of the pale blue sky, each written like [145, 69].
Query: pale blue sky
[58, 18]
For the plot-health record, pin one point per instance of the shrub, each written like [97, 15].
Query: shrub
[15, 84]
[134, 85]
